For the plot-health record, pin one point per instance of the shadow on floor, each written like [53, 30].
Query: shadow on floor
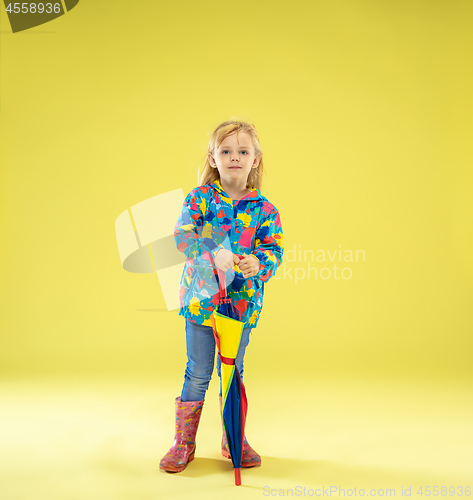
[314, 473]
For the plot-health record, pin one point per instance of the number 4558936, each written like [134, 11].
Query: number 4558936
[444, 491]
[34, 8]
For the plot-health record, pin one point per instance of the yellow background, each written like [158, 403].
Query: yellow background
[364, 111]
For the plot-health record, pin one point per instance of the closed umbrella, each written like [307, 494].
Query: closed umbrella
[227, 329]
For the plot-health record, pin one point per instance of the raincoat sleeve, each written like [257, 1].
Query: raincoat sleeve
[269, 245]
[189, 233]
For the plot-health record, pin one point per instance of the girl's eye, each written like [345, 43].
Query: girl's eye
[226, 151]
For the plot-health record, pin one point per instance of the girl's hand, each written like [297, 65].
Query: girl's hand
[224, 259]
[249, 266]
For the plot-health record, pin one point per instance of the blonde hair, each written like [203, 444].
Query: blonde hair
[210, 174]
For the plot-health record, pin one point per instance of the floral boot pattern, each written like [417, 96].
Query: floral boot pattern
[183, 449]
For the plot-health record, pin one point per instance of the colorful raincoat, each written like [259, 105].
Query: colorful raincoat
[211, 220]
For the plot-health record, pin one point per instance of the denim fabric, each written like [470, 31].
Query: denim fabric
[200, 360]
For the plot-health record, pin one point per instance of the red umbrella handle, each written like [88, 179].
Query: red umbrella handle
[237, 477]
[221, 277]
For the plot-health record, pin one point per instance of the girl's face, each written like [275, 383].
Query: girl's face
[235, 158]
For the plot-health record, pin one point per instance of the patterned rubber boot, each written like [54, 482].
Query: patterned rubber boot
[183, 449]
[250, 457]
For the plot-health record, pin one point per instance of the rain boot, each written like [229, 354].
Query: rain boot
[183, 449]
[250, 457]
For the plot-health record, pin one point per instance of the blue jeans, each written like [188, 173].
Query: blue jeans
[200, 360]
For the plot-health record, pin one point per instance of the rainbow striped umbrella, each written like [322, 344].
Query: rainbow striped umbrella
[227, 329]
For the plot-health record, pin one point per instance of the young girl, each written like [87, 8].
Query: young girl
[223, 218]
